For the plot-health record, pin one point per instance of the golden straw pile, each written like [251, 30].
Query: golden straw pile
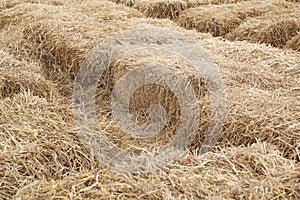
[42, 48]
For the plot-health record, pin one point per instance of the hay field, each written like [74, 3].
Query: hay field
[43, 44]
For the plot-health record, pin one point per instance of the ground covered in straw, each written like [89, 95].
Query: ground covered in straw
[42, 45]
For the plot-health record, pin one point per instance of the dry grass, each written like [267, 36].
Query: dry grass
[273, 28]
[262, 94]
[163, 9]
[257, 171]
[294, 43]
[61, 51]
[6, 4]
[257, 156]
[36, 143]
[17, 77]
[169, 8]
[219, 20]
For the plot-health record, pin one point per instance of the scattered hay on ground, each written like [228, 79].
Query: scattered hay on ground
[273, 28]
[219, 20]
[257, 171]
[37, 143]
[294, 43]
[17, 77]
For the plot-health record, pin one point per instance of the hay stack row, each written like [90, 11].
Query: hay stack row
[41, 156]
[169, 8]
[219, 20]
[63, 39]
[273, 28]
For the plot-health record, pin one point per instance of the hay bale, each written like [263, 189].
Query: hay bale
[257, 171]
[219, 20]
[172, 8]
[17, 77]
[151, 94]
[273, 28]
[162, 8]
[262, 94]
[37, 143]
[294, 43]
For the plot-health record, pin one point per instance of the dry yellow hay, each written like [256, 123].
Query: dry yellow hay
[273, 28]
[169, 8]
[254, 172]
[263, 94]
[219, 20]
[162, 8]
[151, 94]
[41, 157]
[59, 49]
[17, 76]
[62, 56]
[294, 43]
[6, 4]
[62, 47]
[37, 143]
[172, 8]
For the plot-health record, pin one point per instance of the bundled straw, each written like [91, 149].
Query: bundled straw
[222, 19]
[273, 28]
[19, 76]
[294, 43]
